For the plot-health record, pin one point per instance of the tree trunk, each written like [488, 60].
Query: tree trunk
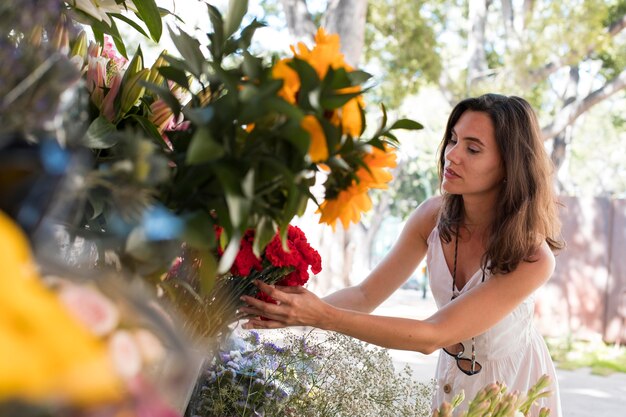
[477, 62]
[381, 210]
[570, 112]
[299, 19]
[559, 146]
[347, 18]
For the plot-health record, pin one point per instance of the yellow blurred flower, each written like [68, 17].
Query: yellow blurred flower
[350, 203]
[291, 81]
[347, 207]
[50, 356]
[325, 54]
[378, 161]
[318, 149]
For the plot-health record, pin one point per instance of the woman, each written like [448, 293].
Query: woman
[489, 242]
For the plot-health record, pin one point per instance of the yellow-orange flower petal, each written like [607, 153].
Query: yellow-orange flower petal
[291, 81]
[349, 204]
[351, 122]
[347, 207]
[326, 53]
[318, 149]
[50, 355]
[378, 162]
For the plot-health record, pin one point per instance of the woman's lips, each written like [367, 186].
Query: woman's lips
[450, 174]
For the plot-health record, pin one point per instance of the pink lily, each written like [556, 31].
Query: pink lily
[108, 104]
[96, 74]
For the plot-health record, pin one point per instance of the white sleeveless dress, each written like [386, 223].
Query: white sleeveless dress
[512, 351]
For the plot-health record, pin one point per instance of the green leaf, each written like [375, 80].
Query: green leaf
[207, 272]
[148, 127]
[296, 135]
[292, 204]
[130, 22]
[189, 49]
[238, 209]
[359, 77]
[263, 234]
[230, 177]
[252, 66]
[335, 79]
[165, 94]
[177, 63]
[98, 35]
[117, 37]
[334, 101]
[237, 9]
[148, 11]
[199, 231]
[119, 44]
[391, 136]
[200, 116]
[281, 106]
[331, 132]
[247, 185]
[217, 37]
[247, 33]
[230, 253]
[165, 12]
[101, 134]
[309, 79]
[134, 66]
[203, 148]
[175, 74]
[138, 245]
[97, 206]
[383, 121]
[407, 124]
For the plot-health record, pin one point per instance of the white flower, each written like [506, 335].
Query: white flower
[518, 414]
[150, 346]
[100, 8]
[125, 354]
[90, 307]
[235, 355]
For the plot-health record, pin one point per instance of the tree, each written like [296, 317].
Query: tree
[344, 17]
[567, 68]
[564, 57]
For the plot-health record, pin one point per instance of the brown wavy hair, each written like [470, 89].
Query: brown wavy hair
[526, 212]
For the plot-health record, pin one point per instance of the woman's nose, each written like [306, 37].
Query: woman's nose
[452, 153]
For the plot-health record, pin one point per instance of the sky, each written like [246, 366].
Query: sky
[195, 16]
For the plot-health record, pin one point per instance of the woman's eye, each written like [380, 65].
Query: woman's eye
[472, 150]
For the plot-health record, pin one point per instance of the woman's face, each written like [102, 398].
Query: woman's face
[473, 164]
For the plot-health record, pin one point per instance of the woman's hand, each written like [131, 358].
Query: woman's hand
[296, 306]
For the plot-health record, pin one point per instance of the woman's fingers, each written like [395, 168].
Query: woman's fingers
[290, 290]
[261, 308]
[263, 324]
[272, 291]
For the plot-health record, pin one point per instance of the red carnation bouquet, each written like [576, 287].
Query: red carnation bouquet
[218, 309]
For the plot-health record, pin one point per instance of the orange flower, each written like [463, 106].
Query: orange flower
[291, 82]
[318, 149]
[353, 201]
[349, 116]
[378, 162]
[347, 207]
[325, 54]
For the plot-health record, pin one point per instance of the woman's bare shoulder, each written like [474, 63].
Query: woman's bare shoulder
[424, 219]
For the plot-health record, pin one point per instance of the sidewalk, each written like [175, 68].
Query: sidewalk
[582, 394]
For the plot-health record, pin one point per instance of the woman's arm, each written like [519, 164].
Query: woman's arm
[472, 313]
[396, 267]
